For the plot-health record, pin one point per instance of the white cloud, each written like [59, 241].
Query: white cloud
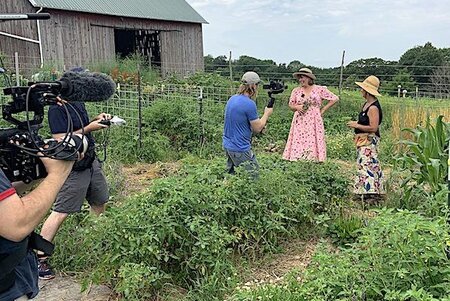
[277, 28]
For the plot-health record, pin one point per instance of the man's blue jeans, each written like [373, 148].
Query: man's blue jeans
[246, 159]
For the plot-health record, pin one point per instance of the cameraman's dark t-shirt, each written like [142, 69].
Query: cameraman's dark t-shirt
[6, 189]
[57, 118]
[26, 272]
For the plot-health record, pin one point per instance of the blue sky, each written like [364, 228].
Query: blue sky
[316, 32]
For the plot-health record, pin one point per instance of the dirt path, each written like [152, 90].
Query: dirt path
[66, 288]
[139, 176]
[296, 257]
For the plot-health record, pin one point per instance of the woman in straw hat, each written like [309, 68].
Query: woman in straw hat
[307, 135]
[368, 182]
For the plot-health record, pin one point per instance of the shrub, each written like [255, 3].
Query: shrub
[179, 120]
[123, 146]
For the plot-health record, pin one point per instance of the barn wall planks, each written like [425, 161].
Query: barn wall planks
[76, 38]
[28, 51]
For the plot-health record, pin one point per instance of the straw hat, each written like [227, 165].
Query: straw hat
[306, 72]
[370, 85]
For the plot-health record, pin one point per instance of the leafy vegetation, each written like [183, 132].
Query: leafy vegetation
[192, 230]
[399, 256]
[425, 163]
[184, 229]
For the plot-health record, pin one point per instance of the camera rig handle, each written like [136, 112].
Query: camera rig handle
[271, 100]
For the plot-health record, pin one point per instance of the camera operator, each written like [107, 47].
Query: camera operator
[86, 179]
[241, 119]
[18, 217]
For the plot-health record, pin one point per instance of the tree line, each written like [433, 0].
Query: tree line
[427, 67]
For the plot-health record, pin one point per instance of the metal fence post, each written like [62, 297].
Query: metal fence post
[139, 105]
[200, 108]
[230, 68]
[342, 73]
[16, 63]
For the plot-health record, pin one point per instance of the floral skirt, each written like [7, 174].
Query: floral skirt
[369, 179]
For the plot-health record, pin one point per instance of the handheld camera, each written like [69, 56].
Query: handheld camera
[274, 87]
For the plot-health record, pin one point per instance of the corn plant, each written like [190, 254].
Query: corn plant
[425, 159]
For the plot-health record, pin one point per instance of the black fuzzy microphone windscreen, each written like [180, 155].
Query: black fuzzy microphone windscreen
[86, 86]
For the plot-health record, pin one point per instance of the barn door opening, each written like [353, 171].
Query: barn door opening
[144, 42]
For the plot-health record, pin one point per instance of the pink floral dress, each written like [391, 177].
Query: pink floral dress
[307, 135]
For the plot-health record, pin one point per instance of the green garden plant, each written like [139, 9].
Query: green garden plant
[399, 256]
[186, 229]
[425, 160]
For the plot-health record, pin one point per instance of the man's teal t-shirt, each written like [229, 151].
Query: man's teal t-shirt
[237, 132]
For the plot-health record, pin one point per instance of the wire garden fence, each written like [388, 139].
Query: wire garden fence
[131, 101]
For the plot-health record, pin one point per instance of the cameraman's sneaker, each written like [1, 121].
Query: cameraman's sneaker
[45, 270]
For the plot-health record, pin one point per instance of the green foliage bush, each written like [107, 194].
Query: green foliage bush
[123, 146]
[125, 70]
[399, 256]
[343, 222]
[179, 120]
[184, 227]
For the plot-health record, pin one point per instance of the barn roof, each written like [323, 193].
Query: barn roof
[169, 10]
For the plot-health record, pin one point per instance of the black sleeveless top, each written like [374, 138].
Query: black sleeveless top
[363, 118]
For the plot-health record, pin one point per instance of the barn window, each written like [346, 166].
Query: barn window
[143, 42]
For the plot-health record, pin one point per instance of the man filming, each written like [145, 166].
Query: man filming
[241, 119]
[86, 180]
[19, 216]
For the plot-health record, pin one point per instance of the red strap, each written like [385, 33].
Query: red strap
[7, 193]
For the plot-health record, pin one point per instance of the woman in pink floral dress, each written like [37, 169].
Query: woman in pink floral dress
[307, 135]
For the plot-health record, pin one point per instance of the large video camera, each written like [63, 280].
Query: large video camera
[21, 146]
[274, 87]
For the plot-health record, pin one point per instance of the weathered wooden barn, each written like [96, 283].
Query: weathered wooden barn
[168, 33]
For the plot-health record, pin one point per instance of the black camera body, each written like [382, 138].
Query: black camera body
[274, 87]
[17, 164]
[20, 145]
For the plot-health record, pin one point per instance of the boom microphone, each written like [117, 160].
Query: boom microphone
[81, 86]
[86, 86]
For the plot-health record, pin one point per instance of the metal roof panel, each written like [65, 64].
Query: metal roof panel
[169, 10]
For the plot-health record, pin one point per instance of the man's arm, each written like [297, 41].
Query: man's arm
[19, 216]
[259, 124]
[93, 126]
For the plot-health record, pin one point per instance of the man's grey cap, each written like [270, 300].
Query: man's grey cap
[250, 78]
